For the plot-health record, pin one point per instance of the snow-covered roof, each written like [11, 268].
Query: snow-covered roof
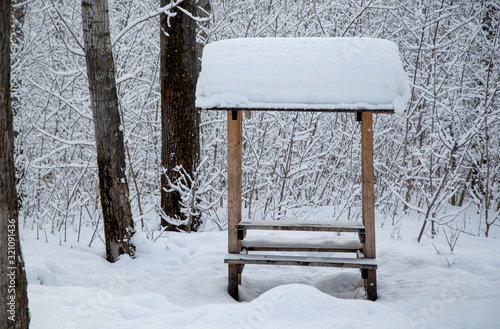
[302, 73]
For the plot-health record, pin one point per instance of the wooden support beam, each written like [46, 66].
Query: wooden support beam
[297, 109]
[368, 198]
[367, 184]
[234, 141]
[233, 278]
[371, 285]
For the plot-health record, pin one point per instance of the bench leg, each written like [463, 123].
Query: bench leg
[233, 278]
[370, 284]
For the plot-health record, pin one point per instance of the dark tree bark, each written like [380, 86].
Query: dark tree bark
[117, 215]
[14, 311]
[180, 120]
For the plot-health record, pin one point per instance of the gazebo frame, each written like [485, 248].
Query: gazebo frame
[238, 256]
[363, 76]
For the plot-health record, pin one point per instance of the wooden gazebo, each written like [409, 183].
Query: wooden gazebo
[359, 75]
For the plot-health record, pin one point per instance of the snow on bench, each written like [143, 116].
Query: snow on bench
[318, 244]
[346, 74]
[293, 225]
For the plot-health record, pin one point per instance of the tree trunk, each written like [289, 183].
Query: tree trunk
[179, 118]
[13, 285]
[117, 215]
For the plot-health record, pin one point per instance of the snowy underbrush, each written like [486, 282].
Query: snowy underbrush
[179, 280]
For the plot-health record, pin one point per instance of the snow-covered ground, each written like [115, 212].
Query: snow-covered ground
[180, 280]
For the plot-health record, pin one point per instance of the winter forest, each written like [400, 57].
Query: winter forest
[437, 165]
[440, 160]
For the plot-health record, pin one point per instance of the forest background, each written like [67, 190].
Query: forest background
[441, 159]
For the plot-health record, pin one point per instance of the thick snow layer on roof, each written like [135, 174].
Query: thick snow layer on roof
[309, 73]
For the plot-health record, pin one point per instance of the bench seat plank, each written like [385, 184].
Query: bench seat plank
[359, 263]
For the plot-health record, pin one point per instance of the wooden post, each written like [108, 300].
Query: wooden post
[368, 208]
[234, 137]
[371, 285]
[234, 141]
[367, 184]
[232, 282]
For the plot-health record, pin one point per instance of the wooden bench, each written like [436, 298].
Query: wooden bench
[321, 244]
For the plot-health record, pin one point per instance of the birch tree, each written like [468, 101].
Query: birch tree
[13, 285]
[114, 192]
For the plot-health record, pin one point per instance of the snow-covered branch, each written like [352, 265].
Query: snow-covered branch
[163, 10]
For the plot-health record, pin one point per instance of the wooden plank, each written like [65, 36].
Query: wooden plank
[332, 110]
[234, 141]
[359, 263]
[338, 244]
[293, 225]
[299, 248]
[367, 184]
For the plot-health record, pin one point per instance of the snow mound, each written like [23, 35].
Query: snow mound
[303, 73]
